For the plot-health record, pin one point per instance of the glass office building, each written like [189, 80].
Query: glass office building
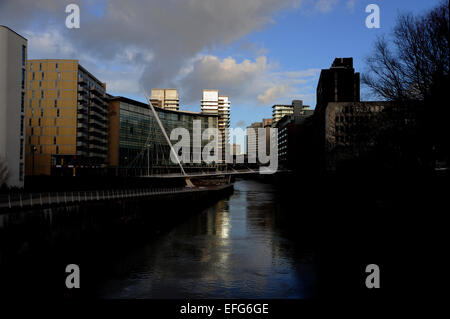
[137, 145]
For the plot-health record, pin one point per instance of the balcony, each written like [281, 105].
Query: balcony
[98, 132]
[82, 125]
[97, 116]
[98, 109]
[93, 89]
[99, 141]
[82, 117]
[97, 124]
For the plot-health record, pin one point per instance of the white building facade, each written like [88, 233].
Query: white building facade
[213, 103]
[13, 62]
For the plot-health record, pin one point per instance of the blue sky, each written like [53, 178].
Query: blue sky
[299, 40]
[258, 52]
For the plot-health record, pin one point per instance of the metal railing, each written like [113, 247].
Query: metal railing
[59, 198]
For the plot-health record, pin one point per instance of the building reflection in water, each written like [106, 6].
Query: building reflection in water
[231, 250]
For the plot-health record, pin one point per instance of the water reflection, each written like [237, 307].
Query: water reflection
[231, 250]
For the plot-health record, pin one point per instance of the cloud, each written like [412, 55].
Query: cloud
[273, 93]
[351, 4]
[241, 124]
[325, 6]
[136, 44]
[163, 35]
[244, 82]
[237, 80]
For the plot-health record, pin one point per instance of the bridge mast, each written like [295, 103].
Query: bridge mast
[188, 182]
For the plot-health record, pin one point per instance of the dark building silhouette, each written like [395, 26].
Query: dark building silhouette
[340, 83]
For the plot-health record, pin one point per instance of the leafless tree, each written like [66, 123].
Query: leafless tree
[411, 65]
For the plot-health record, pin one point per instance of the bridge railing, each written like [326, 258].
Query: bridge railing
[54, 198]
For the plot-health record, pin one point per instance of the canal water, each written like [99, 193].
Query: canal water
[235, 249]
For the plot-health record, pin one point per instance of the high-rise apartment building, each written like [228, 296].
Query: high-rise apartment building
[252, 133]
[13, 59]
[165, 98]
[213, 103]
[281, 110]
[252, 141]
[67, 119]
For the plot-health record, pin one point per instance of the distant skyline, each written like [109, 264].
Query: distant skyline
[257, 52]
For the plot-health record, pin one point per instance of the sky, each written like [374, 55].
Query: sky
[257, 52]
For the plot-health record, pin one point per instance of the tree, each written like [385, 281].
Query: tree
[413, 65]
[418, 57]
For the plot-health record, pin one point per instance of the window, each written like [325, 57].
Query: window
[23, 78]
[42, 94]
[57, 113]
[59, 75]
[29, 122]
[34, 76]
[42, 113]
[56, 66]
[21, 148]
[59, 93]
[24, 55]
[43, 75]
[22, 102]
[57, 149]
[54, 140]
[40, 66]
[22, 120]
[40, 103]
[56, 103]
[39, 122]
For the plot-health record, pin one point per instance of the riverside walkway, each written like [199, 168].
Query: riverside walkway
[30, 200]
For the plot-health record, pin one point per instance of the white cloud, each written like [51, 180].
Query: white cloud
[325, 5]
[351, 4]
[245, 82]
[273, 93]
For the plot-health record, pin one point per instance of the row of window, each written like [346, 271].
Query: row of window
[32, 149]
[40, 104]
[42, 115]
[42, 94]
[40, 65]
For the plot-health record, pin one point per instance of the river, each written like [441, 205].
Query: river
[235, 249]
